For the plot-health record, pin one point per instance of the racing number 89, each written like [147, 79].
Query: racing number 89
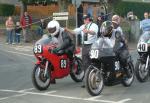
[38, 49]
[63, 63]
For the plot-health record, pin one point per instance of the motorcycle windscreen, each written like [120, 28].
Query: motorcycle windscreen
[144, 37]
[46, 40]
[104, 47]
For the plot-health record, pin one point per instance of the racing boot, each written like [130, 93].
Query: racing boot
[53, 81]
[128, 71]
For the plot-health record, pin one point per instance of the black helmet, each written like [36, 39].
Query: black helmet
[106, 28]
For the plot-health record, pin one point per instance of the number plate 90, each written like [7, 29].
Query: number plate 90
[94, 54]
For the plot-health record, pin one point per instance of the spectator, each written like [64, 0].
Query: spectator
[116, 23]
[10, 30]
[145, 24]
[26, 21]
[89, 32]
[80, 15]
[90, 10]
[41, 27]
[100, 20]
[18, 32]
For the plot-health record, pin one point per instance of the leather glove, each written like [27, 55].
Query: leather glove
[55, 51]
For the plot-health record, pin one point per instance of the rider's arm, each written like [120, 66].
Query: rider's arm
[69, 31]
[118, 40]
[66, 41]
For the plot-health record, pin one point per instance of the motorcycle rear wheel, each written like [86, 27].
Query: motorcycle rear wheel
[94, 81]
[77, 72]
[40, 81]
[141, 74]
[127, 81]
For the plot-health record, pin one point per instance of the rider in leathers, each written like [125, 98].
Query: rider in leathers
[113, 39]
[65, 43]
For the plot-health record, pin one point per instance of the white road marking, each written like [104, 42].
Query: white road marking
[92, 98]
[19, 95]
[124, 100]
[67, 97]
[26, 90]
[50, 92]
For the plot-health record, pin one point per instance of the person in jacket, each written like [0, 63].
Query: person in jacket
[26, 22]
[64, 41]
[89, 31]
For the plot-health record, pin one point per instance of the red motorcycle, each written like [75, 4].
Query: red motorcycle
[50, 66]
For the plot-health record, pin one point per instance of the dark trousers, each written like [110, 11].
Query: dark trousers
[85, 57]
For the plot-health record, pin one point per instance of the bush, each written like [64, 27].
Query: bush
[6, 9]
[138, 8]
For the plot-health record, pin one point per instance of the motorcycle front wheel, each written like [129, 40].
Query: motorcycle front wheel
[94, 82]
[127, 81]
[142, 73]
[40, 81]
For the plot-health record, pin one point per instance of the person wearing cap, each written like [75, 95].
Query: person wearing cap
[88, 32]
[116, 23]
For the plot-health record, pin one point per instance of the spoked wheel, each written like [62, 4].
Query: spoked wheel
[142, 73]
[40, 81]
[94, 81]
[127, 81]
[77, 73]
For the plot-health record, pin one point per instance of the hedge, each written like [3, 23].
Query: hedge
[138, 8]
[6, 9]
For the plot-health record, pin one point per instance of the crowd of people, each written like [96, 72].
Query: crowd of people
[15, 29]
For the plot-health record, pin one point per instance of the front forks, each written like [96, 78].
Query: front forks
[147, 62]
[46, 68]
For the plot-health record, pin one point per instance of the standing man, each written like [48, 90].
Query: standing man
[89, 32]
[145, 24]
[26, 22]
[80, 15]
[116, 23]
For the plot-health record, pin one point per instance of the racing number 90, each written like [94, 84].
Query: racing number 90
[94, 54]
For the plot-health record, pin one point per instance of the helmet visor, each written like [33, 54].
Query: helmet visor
[106, 30]
[51, 30]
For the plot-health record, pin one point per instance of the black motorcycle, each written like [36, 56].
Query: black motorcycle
[105, 69]
[143, 62]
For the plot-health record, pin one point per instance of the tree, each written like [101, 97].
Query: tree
[63, 5]
[27, 2]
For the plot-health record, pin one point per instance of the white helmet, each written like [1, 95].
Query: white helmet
[53, 27]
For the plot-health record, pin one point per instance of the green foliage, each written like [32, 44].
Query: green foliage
[6, 9]
[138, 8]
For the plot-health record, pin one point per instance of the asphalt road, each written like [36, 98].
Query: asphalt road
[16, 64]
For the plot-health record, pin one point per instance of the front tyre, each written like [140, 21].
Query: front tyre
[77, 72]
[127, 81]
[40, 81]
[94, 82]
[142, 73]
